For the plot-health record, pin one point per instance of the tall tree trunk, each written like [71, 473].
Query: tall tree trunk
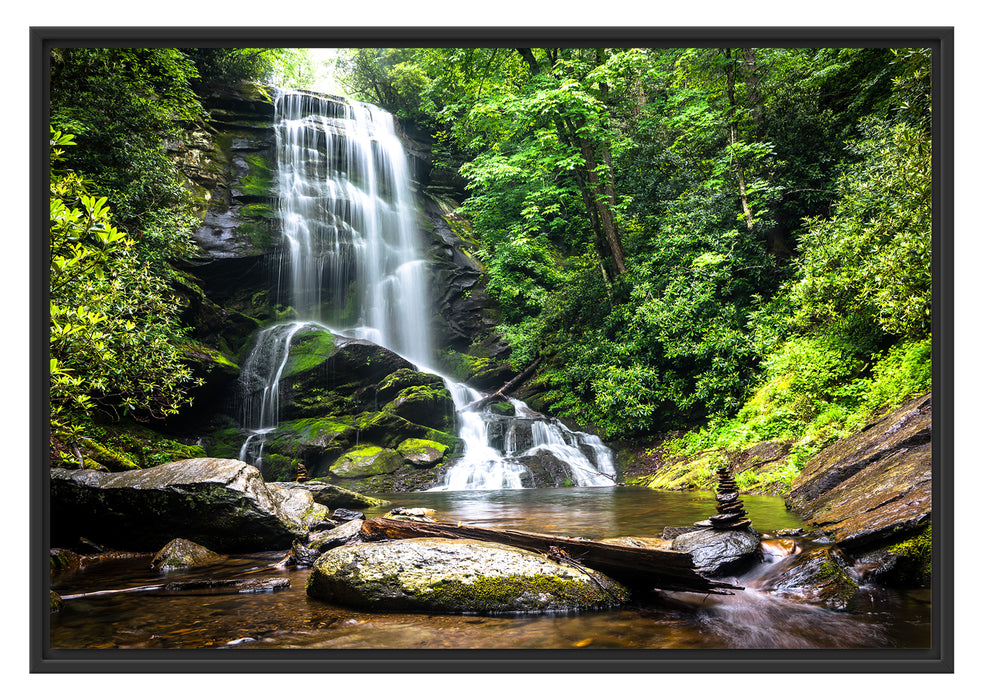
[731, 72]
[599, 195]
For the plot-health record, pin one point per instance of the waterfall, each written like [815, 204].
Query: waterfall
[349, 263]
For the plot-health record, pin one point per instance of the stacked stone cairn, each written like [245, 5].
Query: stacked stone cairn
[730, 511]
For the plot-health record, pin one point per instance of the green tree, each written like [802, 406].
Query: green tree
[114, 323]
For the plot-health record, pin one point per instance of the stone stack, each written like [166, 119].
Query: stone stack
[730, 511]
[302, 473]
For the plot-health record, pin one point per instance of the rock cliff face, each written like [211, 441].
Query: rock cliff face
[328, 409]
[871, 494]
[874, 486]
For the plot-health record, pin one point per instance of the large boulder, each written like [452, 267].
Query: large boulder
[720, 552]
[457, 576]
[873, 487]
[223, 504]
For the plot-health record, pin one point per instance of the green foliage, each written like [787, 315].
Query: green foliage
[113, 321]
[871, 260]
[122, 105]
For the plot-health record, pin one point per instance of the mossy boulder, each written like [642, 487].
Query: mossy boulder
[367, 461]
[431, 406]
[422, 453]
[390, 387]
[456, 576]
[482, 373]
[502, 408]
[183, 554]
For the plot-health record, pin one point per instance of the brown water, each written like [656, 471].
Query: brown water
[289, 619]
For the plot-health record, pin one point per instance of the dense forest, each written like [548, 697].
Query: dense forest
[703, 248]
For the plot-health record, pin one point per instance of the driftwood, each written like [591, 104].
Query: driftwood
[635, 567]
[510, 386]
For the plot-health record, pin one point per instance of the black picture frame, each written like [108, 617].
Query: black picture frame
[937, 659]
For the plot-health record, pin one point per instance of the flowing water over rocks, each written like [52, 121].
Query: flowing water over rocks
[350, 266]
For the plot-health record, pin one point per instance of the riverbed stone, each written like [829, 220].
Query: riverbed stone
[180, 553]
[720, 552]
[222, 504]
[456, 576]
[324, 540]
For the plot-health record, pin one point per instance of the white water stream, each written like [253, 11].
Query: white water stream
[350, 263]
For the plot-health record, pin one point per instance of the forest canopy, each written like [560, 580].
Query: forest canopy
[737, 239]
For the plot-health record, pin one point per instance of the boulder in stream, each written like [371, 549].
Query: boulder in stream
[223, 504]
[456, 576]
[183, 554]
[720, 552]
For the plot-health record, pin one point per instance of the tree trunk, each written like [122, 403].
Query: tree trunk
[732, 123]
[636, 567]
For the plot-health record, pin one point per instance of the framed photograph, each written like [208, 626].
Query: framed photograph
[579, 350]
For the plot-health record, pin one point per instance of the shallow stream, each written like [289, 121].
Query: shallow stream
[752, 618]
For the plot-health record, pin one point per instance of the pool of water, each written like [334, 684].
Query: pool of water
[158, 619]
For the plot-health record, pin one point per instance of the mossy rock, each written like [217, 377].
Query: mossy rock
[277, 467]
[225, 442]
[308, 348]
[114, 460]
[696, 472]
[183, 554]
[480, 372]
[422, 453]
[430, 406]
[402, 379]
[456, 576]
[502, 408]
[367, 461]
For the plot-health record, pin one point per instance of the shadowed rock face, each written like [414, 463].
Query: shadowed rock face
[874, 486]
[222, 504]
[441, 575]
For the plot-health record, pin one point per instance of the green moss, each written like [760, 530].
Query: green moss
[366, 462]
[414, 445]
[308, 349]
[115, 460]
[277, 467]
[914, 565]
[485, 593]
[502, 408]
[687, 473]
[259, 181]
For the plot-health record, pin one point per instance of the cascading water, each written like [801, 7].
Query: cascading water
[349, 263]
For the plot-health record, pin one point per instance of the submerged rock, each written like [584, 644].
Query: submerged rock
[720, 552]
[183, 554]
[819, 575]
[222, 504]
[441, 575]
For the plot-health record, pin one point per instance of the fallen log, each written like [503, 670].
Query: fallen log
[635, 567]
[508, 387]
